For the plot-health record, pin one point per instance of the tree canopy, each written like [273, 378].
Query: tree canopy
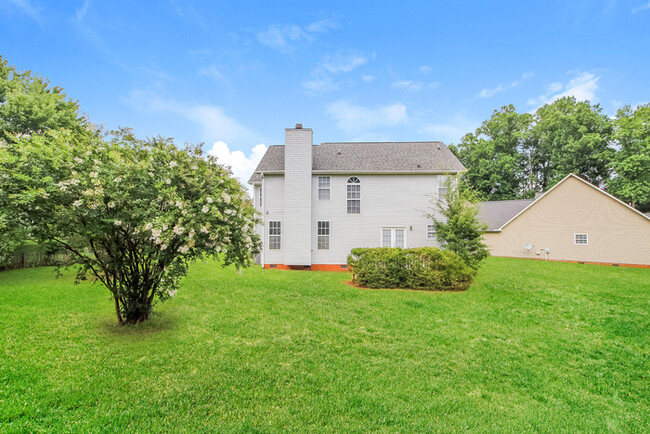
[515, 155]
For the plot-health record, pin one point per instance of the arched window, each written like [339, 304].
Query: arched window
[354, 195]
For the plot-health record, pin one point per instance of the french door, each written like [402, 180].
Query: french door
[393, 237]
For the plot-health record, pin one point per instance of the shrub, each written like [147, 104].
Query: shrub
[420, 268]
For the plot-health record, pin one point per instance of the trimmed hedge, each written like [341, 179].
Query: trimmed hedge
[420, 268]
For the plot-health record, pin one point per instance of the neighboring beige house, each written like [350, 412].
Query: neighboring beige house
[320, 201]
[574, 220]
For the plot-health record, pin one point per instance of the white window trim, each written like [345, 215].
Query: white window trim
[433, 236]
[392, 235]
[268, 236]
[575, 239]
[346, 196]
[442, 183]
[329, 235]
[318, 187]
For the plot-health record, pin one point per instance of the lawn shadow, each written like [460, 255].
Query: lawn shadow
[157, 324]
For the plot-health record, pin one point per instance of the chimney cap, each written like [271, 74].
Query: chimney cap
[299, 126]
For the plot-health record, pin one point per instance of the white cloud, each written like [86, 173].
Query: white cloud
[368, 78]
[322, 26]
[488, 93]
[212, 71]
[583, 87]
[320, 85]
[25, 6]
[80, 14]
[215, 124]
[425, 69]
[450, 131]
[322, 77]
[355, 118]
[414, 85]
[242, 165]
[641, 8]
[342, 63]
[284, 37]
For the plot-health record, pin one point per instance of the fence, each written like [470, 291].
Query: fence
[35, 258]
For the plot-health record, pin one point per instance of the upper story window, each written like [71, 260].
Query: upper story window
[581, 239]
[431, 231]
[443, 183]
[275, 235]
[354, 195]
[323, 188]
[260, 196]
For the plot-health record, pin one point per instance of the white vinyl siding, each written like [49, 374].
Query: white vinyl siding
[431, 232]
[581, 239]
[275, 235]
[323, 235]
[323, 188]
[354, 195]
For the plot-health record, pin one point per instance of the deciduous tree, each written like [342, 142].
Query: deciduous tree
[133, 213]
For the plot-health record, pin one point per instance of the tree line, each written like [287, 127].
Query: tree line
[515, 155]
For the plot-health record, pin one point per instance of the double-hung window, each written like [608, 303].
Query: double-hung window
[323, 188]
[443, 183]
[260, 196]
[431, 231]
[393, 237]
[275, 235]
[323, 235]
[354, 195]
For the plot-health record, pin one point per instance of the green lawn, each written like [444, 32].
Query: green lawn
[530, 346]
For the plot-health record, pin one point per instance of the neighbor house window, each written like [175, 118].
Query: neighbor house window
[354, 195]
[392, 237]
[581, 239]
[275, 235]
[443, 181]
[323, 235]
[323, 188]
[260, 196]
[431, 231]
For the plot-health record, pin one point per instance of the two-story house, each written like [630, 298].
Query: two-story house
[320, 201]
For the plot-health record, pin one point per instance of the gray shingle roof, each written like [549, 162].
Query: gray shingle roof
[497, 213]
[412, 157]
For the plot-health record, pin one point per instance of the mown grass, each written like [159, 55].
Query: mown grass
[531, 346]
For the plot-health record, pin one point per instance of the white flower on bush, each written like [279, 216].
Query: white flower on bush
[173, 164]
[163, 247]
[205, 209]
[62, 186]
[97, 162]
[117, 180]
[225, 197]
[78, 160]
[164, 227]
[111, 205]
[204, 230]
[77, 203]
[117, 222]
[168, 181]
[195, 167]
[93, 174]
[208, 199]
[178, 230]
[151, 174]
[184, 249]
[148, 226]
[179, 204]
[172, 292]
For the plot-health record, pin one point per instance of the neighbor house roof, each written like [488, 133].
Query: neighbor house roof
[406, 157]
[498, 214]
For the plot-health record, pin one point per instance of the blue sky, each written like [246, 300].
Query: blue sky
[235, 74]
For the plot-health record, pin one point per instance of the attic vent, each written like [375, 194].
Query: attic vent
[299, 126]
[419, 166]
[338, 152]
[438, 147]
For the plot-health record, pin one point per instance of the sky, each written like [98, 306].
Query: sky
[234, 75]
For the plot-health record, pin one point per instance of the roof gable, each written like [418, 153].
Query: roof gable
[569, 176]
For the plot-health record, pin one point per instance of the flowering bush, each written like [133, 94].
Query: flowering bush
[133, 213]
